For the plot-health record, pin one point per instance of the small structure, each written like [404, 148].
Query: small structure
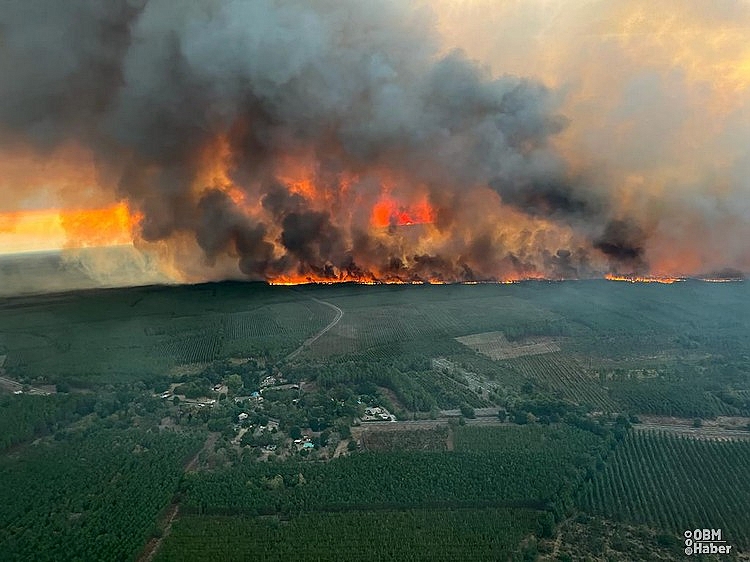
[377, 413]
[243, 416]
[268, 381]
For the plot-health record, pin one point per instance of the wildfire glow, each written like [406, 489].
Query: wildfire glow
[374, 181]
[389, 212]
[111, 226]
[50, 229]
[718, 280]
[646, 279]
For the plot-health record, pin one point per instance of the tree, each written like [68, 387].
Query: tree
[295, 432]
[467, 411]
[546, 526]
[344, 430]
[234, 383]
[324, 437]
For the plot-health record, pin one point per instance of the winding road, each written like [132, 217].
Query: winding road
[309, 341]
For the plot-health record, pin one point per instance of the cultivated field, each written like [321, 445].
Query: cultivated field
[534, 420]
[131, 333]
[496, 346]
[675, 483]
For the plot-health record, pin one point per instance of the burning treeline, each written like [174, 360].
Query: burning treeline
[293, 141]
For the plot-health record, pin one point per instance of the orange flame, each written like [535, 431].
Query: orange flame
[111, 226]
[50, 229]
[643, 279]
[388, 212]
[367, 279]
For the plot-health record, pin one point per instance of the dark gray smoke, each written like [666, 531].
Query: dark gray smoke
[357, 88]
[624, 242]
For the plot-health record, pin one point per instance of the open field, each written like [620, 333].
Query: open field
[384, 439]
[496, 346]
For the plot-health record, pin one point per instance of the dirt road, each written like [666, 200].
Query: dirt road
[309, 341]
[15, 386]
[153, 545]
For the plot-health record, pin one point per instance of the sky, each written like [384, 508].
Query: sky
[446, 140]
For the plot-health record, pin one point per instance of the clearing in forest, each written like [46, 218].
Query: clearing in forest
[496, 346]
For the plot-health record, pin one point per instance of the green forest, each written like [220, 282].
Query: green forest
[587, 420]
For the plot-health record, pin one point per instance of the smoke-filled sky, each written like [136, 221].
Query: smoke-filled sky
[380, 139]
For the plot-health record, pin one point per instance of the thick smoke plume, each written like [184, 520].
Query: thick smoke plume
[287, 140]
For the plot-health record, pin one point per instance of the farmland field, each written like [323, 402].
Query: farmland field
[563, 376]
[435, 534]
[131, 333]
[522, 411]
[380, 440]
[675, 483]
[491, 467]
[496, 346]
[95, 496]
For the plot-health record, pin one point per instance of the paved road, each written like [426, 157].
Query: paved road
[309, 341]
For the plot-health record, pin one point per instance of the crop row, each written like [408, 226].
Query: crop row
[94, 496]
[564, 377]
[675, 483]
[527, 466]
[444, 534]
[193, 349]
[668, 399]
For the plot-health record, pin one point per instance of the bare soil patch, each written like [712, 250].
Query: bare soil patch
[423, 439]
[497, 347]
